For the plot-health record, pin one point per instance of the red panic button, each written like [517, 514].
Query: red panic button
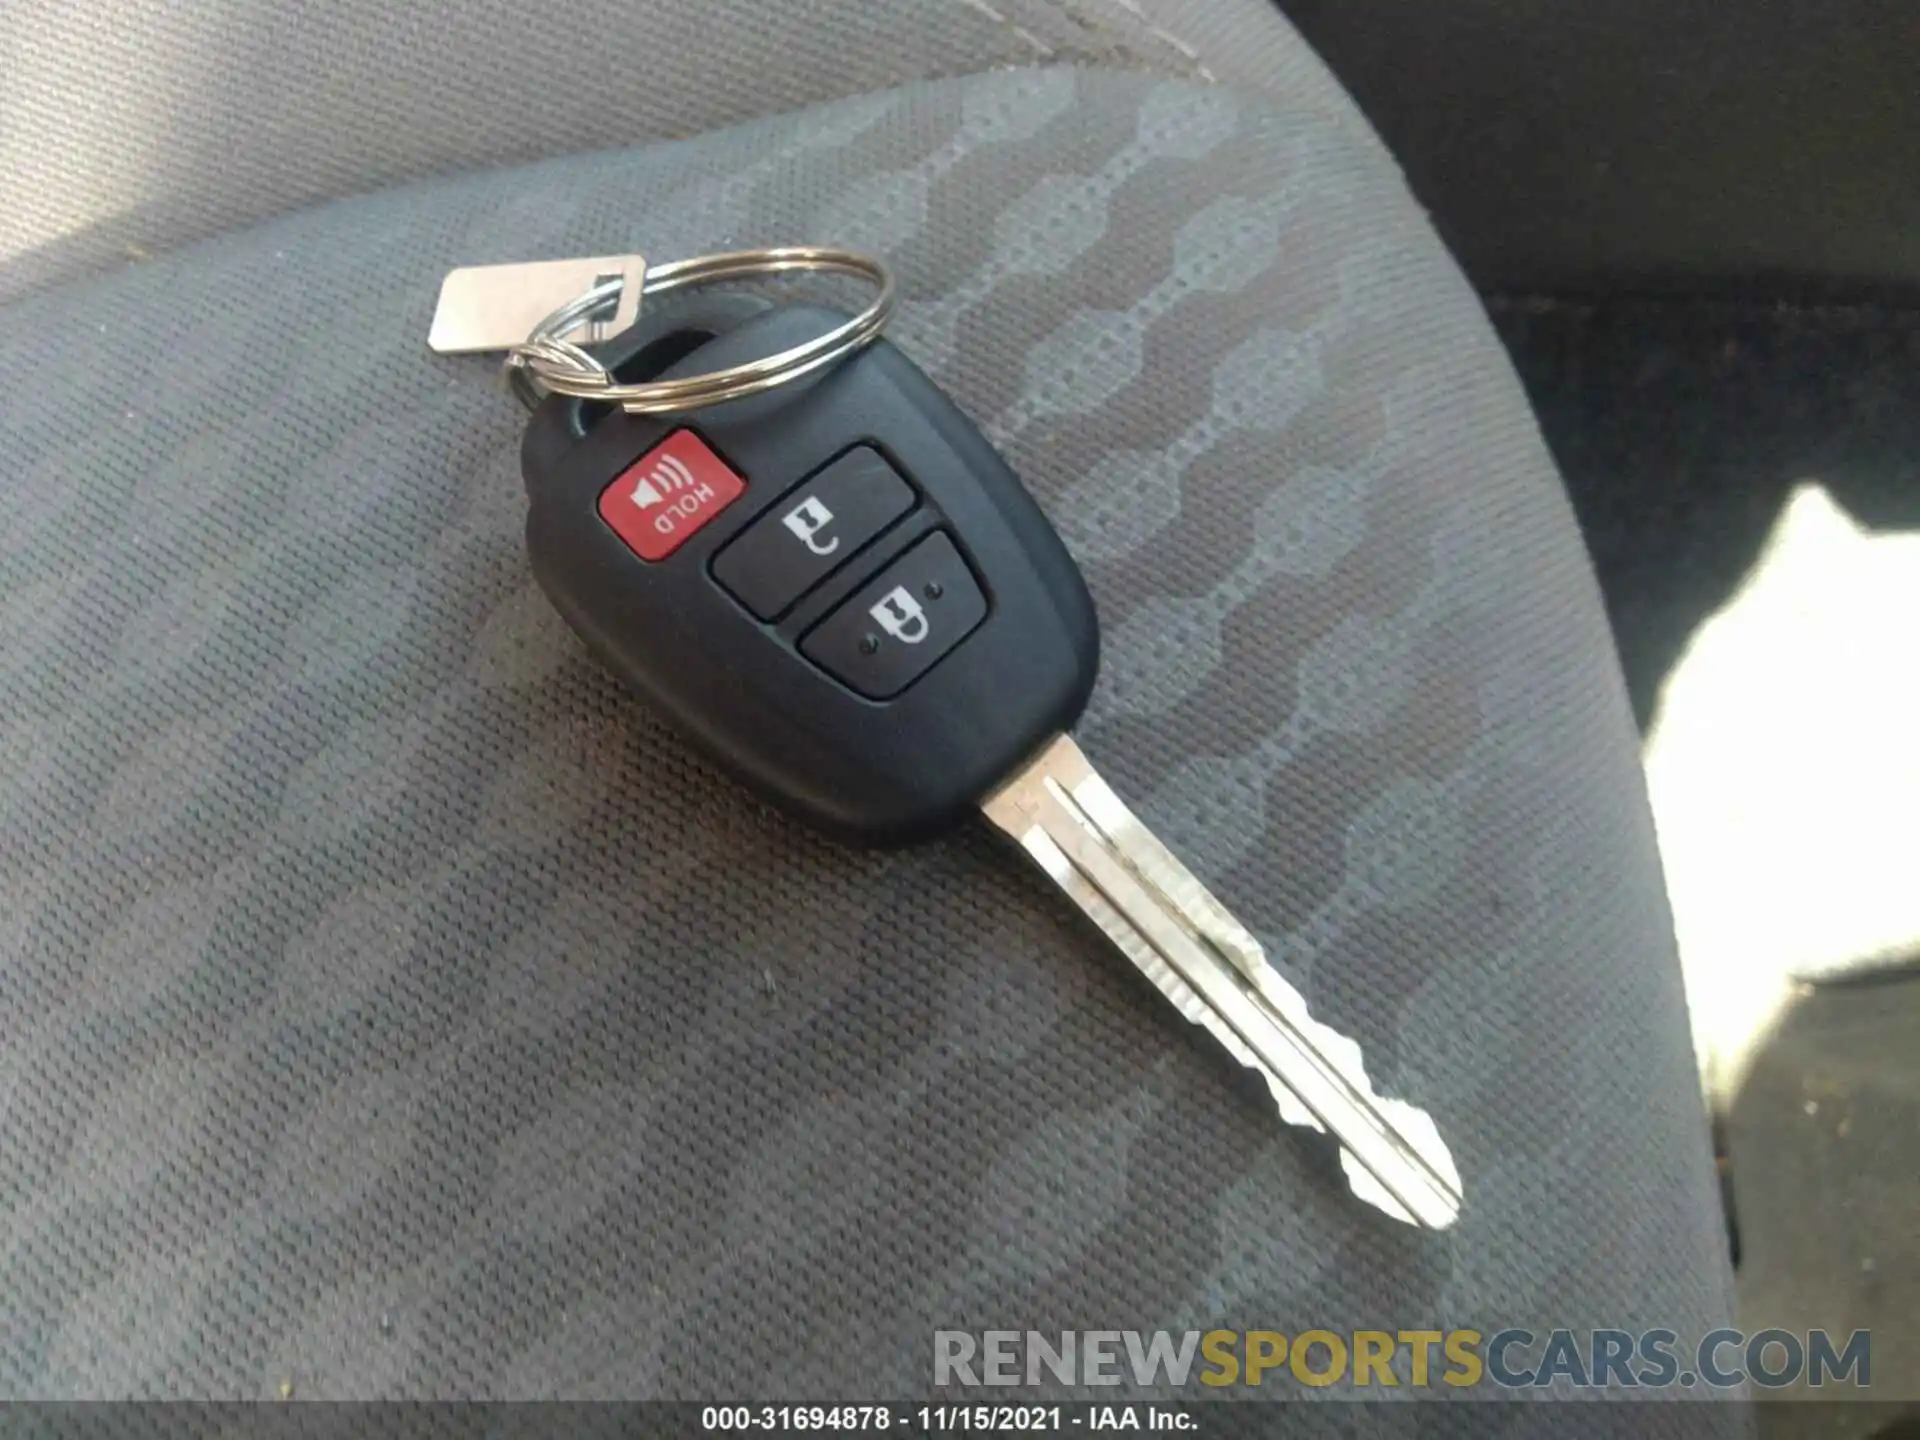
[665, 496]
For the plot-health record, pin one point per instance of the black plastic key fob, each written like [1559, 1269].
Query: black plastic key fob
[838, 589]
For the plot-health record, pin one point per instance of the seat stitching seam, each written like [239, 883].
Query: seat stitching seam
[1167, 37]
[1039, 46]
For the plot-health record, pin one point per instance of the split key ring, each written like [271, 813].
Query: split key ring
[546, 362]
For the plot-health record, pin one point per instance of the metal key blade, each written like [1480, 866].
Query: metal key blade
[1186, 942]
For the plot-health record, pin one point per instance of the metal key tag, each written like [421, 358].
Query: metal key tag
[495, 307]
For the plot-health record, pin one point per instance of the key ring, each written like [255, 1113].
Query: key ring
[547, 362]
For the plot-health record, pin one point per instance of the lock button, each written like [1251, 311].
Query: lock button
[903, 621]
[811, 531]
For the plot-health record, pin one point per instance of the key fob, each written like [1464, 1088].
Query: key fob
[838, 589]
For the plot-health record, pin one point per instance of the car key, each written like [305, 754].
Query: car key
[840, 591]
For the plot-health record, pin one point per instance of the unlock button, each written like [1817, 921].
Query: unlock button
[893, 629]
[811, 531]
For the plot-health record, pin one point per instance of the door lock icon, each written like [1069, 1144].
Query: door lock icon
[900, 615]
[806, 520]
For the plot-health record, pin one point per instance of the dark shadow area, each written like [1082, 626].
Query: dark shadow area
[1824, 1142]
[1681, 426]
[1649, 145]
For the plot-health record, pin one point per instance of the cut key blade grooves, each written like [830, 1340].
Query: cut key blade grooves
[1391, 1149]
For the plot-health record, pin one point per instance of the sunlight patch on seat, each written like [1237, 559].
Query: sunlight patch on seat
[1784, 771]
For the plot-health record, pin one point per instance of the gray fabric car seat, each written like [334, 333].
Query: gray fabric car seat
[389, 1006]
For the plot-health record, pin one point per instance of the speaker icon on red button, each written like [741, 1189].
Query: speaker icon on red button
[660, 501]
